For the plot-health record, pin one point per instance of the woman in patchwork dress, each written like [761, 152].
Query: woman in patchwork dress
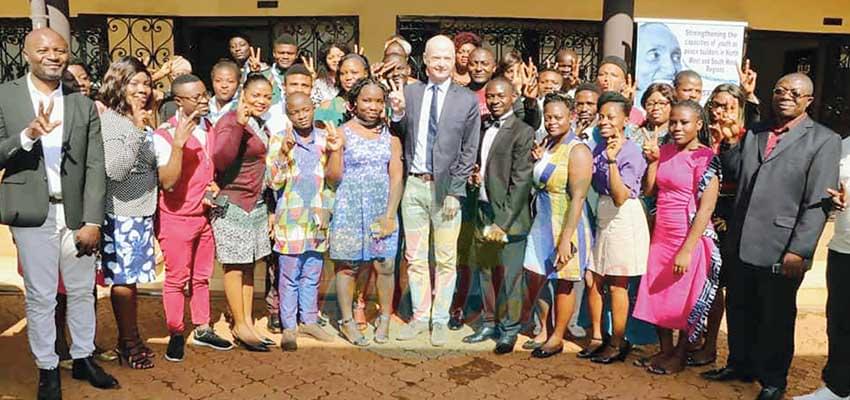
[561, 239]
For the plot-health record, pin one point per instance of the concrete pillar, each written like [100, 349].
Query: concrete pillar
[618, 28]
[38, 14]
[58, 13]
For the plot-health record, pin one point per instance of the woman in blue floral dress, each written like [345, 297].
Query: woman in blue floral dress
[364, 230]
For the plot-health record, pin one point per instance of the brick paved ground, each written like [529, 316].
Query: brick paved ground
[397, 370]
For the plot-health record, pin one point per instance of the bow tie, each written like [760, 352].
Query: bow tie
[492, 123]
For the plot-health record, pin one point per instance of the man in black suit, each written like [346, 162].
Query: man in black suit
[52, 196]
[782, 169]
[504, 215]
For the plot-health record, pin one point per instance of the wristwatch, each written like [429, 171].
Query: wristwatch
[609, 161]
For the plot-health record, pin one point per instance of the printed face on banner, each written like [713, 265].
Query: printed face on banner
[665, 47]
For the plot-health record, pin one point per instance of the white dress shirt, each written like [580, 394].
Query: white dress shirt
[841, 238]
[51, 144]
[486, 145]
[420, 153]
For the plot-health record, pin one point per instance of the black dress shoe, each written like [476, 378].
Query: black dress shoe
[456, 322]
[87, 369]
[771, 393]
[49, 386]
[590, 351]
[482, 334]
[505, 344]
[726, 374]
[541, 353]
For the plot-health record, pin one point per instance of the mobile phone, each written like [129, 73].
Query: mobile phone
[218, 201]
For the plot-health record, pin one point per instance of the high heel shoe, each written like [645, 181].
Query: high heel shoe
[620, 356]
[260, 348]
[133, 355]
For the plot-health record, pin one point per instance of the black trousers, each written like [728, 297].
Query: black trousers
[761, 311]
[506, 305]
[836, 374]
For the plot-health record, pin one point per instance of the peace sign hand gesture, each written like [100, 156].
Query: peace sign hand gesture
[334, 141]
[650, 145]
[838, 197]
[185, 126]
[141, 117]
[396, 97]
[574, 72]
[630, 89]
[747, 77]
[243, 112]
[528, 72]
[42, 125]
[359, 50]
[310, 65]
[255, 62]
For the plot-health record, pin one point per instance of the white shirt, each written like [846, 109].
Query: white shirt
[486, 145]
[841, 238]
[420, 153]
[163, 149]
[276, 119]
[216, 112]
[51, 144]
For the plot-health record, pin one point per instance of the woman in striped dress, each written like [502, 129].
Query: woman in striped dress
[561, 239]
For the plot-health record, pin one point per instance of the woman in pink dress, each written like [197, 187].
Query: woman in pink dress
[684, 262]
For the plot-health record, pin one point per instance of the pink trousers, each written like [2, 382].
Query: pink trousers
[188, 248]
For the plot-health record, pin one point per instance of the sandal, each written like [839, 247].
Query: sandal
[133, 355]
[359, 311]
[349, 331]
[382, 329]
[657, 370]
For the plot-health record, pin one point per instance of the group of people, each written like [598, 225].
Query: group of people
[549, 192]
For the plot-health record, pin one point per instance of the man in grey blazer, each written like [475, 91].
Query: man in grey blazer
[504, 216]
[52, 196]
[439, 123]
[782, 169]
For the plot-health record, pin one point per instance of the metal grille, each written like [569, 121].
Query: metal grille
[88, 42]
[536, 38]
[313, 33]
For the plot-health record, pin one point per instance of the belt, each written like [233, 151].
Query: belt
[425, 177]
[54, 200]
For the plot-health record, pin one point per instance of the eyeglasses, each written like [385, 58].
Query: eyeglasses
[653, 104]
[780, 91]
[199, 98]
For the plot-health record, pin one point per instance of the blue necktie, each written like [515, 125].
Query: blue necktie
[432, 130]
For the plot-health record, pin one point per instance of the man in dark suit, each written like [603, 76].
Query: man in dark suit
[440, 124]
[782, 169]
[504, 215]
[52, 197]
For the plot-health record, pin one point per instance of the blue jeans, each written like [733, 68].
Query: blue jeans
[299, 287]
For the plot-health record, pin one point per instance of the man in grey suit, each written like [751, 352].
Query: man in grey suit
[52, 197]
[439, 123]
[504, 216]
[782, 170]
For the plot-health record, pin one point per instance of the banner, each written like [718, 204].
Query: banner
[713, 49]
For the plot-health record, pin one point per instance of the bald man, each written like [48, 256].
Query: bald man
[440, 123]
[52, 198]
[782, 169]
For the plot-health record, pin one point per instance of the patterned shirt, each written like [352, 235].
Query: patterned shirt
[298, 180]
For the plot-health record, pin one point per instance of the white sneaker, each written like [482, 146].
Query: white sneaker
[822, 394]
